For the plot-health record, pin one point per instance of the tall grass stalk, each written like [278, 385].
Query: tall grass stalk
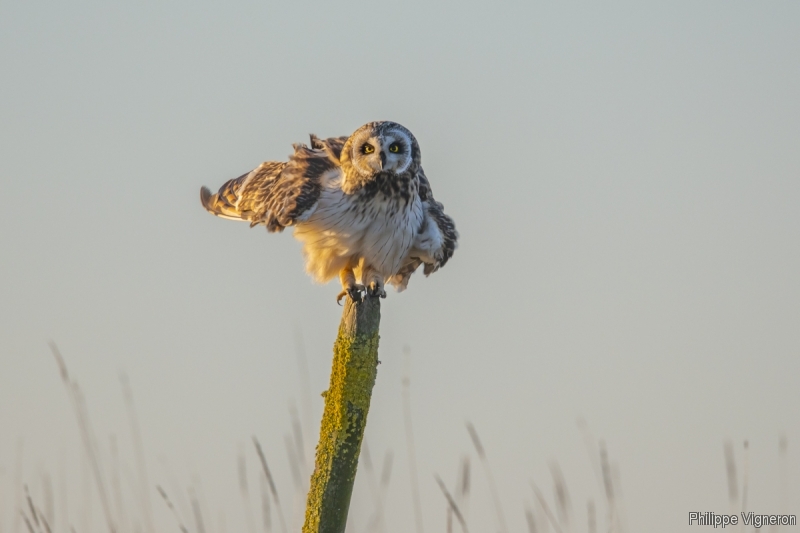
[453, 507]
[461, 492]
[412, 454]
[116, 484]
[176, 489]
[299, 445]
[615, 524]
[294, 463]
[266, 512]
[476, 441]
[245, 493]
[591, 450]
[198, 515]
[3, 500]
[171, 507]
[563, 505]
[591, 517]
[306, 398]
[47, 496]
[546, 508]
[783, 458]
[18, 484]
[746, 478]
[143, 489]
[79, 404]
[377, 487]
[272, 489]
[530, 520]
[37, 523]
[63, 506]
[730, 469]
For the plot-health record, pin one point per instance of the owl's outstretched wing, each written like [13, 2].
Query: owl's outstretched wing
[277, 194]
[436, 241]
[333, 145]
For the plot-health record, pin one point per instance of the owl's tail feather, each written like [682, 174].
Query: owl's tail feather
[219, 205]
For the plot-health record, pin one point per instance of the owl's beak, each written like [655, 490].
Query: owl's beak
[383, 159]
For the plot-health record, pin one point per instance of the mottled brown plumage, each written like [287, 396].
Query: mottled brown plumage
[361, 205]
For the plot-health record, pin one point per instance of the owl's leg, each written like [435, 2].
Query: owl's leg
[373, 280]
[349, 286]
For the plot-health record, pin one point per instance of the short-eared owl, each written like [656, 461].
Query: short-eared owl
[361, 206]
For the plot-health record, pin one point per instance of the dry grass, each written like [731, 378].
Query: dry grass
[540, 515]
[172, 509]
[412, 452]
[476, 441]
[378, 488]
[90, 443]
[271, 482]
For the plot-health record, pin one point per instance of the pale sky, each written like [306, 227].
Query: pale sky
[625, 179]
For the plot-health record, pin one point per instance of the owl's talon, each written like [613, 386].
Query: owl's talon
[353, 292]
[376, 290]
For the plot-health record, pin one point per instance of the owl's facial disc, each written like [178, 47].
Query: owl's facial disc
[381, 149]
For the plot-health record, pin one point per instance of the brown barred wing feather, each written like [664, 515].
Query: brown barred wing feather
[447, 229]
[275, 194]
[243, 198]
[332, 146]
[435, 214]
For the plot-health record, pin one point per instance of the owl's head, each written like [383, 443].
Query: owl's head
[379, 147]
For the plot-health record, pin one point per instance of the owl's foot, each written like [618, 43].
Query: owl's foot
[376, 289]
[353, 291]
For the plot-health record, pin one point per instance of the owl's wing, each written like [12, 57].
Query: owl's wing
[275, 194]
[333, 145]
[439, 230]
[448, 235]
[436, 241]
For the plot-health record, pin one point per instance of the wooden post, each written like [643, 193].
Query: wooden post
[355, 365]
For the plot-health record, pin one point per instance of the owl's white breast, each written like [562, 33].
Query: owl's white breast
[343, 227]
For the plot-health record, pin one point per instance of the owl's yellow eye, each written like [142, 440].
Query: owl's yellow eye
[394, 148]
[367, 148]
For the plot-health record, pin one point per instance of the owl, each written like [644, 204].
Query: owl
[361, 205]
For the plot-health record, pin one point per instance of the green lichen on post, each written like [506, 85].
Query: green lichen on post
[355, 366]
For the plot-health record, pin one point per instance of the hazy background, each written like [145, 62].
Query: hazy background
[625, 179]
